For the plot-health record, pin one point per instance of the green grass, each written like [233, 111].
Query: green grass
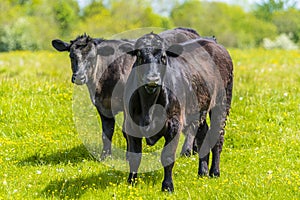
[42, 156]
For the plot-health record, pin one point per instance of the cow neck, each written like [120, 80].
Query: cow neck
[92, 91]
[92, 81]
[146, 101]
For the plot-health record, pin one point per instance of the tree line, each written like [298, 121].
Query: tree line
[32, 24]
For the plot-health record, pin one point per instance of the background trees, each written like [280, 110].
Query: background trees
[32, 24]
[230, 24]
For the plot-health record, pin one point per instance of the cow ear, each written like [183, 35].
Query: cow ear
[128, 48]
[175, 50]
[60, 45]
[106, 51]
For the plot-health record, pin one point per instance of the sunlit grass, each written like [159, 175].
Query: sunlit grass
[43, 157]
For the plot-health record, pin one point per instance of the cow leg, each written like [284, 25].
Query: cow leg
[217, 149]
[216, 152]
[108, 125]
[187, 147]
[195, 147]
[169, 152]
[134, 155]
[125, 136]
[203, 156]
[213, 139]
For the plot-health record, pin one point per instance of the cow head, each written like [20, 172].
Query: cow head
[150, 61]
[83, 54]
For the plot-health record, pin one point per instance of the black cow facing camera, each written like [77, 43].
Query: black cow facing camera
[186, 80]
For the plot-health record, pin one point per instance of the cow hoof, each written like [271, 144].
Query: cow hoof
[203, 169]
[186, 153]
[214, 173]
[167, 187]
[202, 174]
[132, 179]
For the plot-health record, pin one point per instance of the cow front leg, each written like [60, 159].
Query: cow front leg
[134, 156]
[108, 125]
[169, 153]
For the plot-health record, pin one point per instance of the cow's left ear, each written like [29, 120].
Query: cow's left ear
[175, 50]
[105, 51]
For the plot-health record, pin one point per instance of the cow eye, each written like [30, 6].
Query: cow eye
[139, 60]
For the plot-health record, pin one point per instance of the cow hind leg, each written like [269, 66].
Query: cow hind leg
[125, 136]
[108, 125]
[203, 156]
[216, 138]
[216, 152]
[203, 166]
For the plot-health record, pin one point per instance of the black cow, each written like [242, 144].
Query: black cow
[96, 64]
[99, 64]
[173, 88]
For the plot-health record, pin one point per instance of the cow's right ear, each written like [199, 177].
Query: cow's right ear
[60, 45]
[128, 48]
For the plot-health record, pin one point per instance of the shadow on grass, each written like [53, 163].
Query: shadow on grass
[74, 155]
[76, 187]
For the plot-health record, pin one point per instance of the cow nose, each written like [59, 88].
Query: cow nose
[153, 80]
[73, 78]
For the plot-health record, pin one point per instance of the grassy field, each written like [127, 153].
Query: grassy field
[42, 156]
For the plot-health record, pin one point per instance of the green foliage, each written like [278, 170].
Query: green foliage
[288, 22]
[18, 36]
[66, 16]
[122, 16]
[281, 13]
[230, 24]
[8, 13]
[94, 8]
[32, 24]
[267, 8]
[26, 27]
[43, 158]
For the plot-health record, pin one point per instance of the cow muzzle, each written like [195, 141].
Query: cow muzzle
[79, 79]
[152, 84]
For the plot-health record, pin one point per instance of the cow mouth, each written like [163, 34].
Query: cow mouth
[78, 80]
[151, 87]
